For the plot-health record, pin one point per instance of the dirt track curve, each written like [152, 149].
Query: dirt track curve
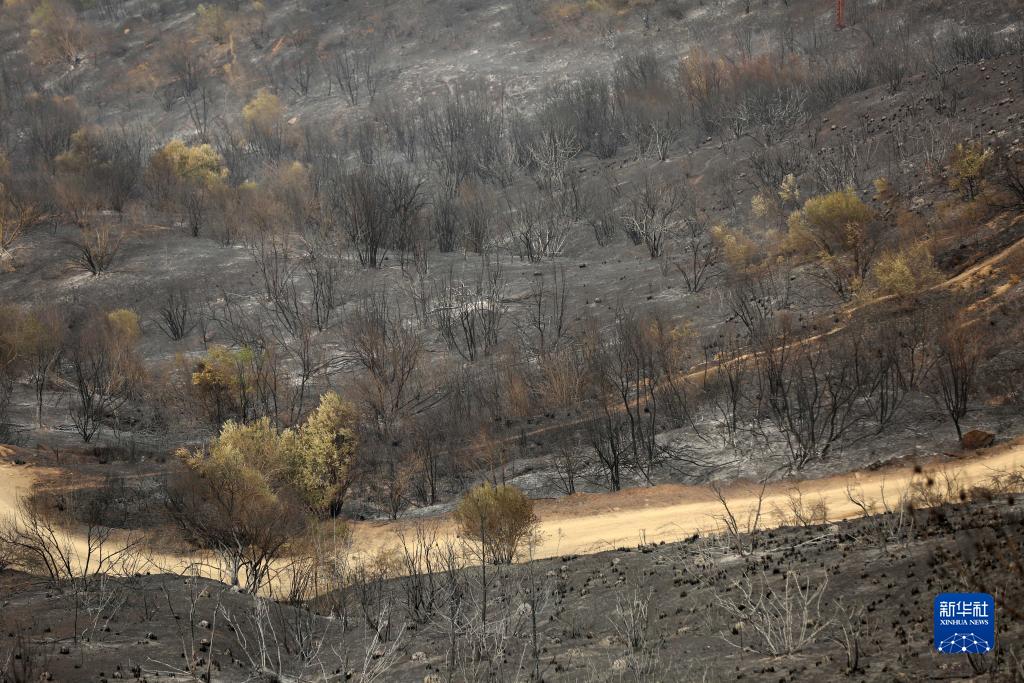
[590, 523]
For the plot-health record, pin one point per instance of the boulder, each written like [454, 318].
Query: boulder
[977, 438]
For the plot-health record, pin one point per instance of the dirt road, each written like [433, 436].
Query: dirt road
[15, 481]
[595, 522]
[589, 523]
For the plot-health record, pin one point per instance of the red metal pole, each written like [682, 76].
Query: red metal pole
[840, 14]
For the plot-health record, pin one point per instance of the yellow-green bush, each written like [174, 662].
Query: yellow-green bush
[327, 444]
[312, 460]
[55, 34]
[968, 165]
[185, 178]
[839, 230]
[498, 518]
[265, 124]
[906, 271]
[199, 163]
[264, 110]
[222, 382]
[739, 250]
[832, 222]
[125, 323]
[213, 22]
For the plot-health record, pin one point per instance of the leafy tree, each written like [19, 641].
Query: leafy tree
[182, 176]
[315, 457]
[264, 124]
[200, 163]
[839, 230]
[327, 446]
[235, 499]
[213, 22]
[968, 165]
[249, 494]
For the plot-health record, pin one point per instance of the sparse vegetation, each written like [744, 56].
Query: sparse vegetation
[350, 260]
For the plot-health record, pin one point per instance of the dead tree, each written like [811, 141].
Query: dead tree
[375, 207]
[44, 347]
[323, 272]
[199, 104]
[469, 315]
[176, 313]
[754, 299]
[462, 130]
[52, 121]
[545, 322]
[621, 372]
[105, 371]
[959, 353]
[606, 433]
[634, 378]
[696, 253]
[652, 214]
[354, 69]
[278, 269]
[815, 398]
[390, 354]
[742, 526]
[551, 153]
[537, 225]
[600, 211]
[94, 250]
[298, 70]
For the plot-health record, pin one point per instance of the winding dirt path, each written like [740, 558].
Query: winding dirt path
[15, 481]
[590, 523]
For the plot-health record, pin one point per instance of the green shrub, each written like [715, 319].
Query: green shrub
[906, 271]
[968, 165]
[213, 23]
[311, 460]
[840, 231]
[499, 518]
